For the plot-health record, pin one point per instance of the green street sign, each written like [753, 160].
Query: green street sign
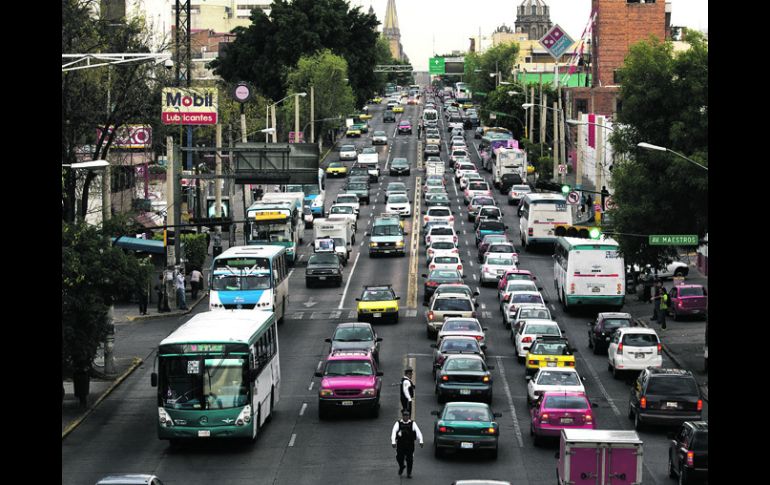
[674, 240]
[437, 65]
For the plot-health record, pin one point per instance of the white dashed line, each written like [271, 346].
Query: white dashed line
[291, 441]
[310, 387]
[302, 411]
[516, 427]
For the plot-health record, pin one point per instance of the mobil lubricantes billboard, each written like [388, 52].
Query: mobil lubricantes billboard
[189, 106]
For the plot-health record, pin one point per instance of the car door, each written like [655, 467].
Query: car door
[612, 348]
[679, 447]
[673, 296]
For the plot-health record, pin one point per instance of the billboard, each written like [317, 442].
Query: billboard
[129, 136]
[189, 106]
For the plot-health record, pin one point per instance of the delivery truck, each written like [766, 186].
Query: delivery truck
[341, 231]
[434, 168]
[599, 457]
[508, 161]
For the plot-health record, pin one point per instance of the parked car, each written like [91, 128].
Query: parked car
[633, 349]
[555, 411]
[688, 300]
[465, 377]
[664, 397]
[349, 380]
[603, 327]
[688, 453]
[355, 336]
[465, 426]
[452, 345]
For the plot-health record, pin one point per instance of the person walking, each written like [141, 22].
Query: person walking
[180, 291]
[402, 437]
[663, 310]
[160, 290]
[656, 300]
[196, 282]
[407, 391]
[142, 294]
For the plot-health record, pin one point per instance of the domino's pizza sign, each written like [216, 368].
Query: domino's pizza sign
[556, 42]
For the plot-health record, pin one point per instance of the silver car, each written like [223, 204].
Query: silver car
[379, 138]
[348, 152]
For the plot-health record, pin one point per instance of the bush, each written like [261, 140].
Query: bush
[196, 247]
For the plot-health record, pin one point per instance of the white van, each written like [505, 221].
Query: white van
[540, 213]
[634, 348]
[430, 118]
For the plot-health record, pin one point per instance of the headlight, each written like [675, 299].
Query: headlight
[399, 244]
[164, 418]
[368, 392]
[244, 417]
[372, 244]
[326, 393]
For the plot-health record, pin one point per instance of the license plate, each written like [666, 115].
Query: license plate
[322, 278]
[465, 392]
[500, 271]
[640, 355]
[204, 433]
[596, 289]
[466, 445]
[377, 315]
[566, 420]
[551, 364]
[347, 403]
[672, 405]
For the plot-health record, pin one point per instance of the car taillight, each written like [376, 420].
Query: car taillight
[572, 288]
[544, 418]
[442, 429]
[690, 459]
[444, 378]
[530, 232]
[620, 288]
[570, 363]
[455, 251]
[532, 362]
[680, 303]
[479, 337]
[643, 402]
[432, 283]
[455, 239]
[432, 267]
[425, 218]
[459, 267]
[660, 348]
[507, 297]
[589, 418]
[699, 406]
[441, 359]
[430, 315]
[526, 340]
[620, 349]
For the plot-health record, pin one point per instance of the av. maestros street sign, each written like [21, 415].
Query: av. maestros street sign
[674, 240]
[189, 106]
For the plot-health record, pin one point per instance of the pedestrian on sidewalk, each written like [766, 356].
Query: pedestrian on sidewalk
[196, 282]
[143, 295]
[663, 310]
[180, 291]
[656, 300]
[402, 437]
[160, 290]
[407, 391]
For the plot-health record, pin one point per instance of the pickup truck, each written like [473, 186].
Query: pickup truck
[371, 160]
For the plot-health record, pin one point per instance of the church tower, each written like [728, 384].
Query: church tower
[533, 18]
[391, 32]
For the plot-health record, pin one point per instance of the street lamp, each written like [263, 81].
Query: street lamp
[649, 146]
[267, 114]
[556, 134]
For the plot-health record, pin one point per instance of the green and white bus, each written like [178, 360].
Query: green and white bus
[589, 272]
[218, 376]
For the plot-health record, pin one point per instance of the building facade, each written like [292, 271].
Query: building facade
[533, 18]
[391, 32]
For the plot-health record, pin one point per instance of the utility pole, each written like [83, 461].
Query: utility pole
[579, 167]
[543, 120]
[296, 117]
[562, 128]
[555, 139]
[275, 132]
[531, 112]
[312, 114]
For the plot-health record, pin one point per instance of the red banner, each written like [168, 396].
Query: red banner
[591, 131]
[189, 118]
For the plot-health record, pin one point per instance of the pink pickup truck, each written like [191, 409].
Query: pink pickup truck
[349, 380]
[599, 457]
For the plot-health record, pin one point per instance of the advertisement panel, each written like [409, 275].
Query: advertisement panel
[189, 106]
[129, 136]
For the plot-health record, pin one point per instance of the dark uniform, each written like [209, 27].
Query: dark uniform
[407, 391]
[402, 437]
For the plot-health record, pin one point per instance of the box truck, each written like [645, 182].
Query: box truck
[599, 457]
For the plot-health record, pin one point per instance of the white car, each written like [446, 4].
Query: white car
[395, 187]
[433, 138]
[634, 349]
[528, 313]
[398, 203]
[468, 177]
[343, 212]
[474, 188]
[465, 327]
[464, 168]
[459, 154]
[675, 268]
[348, 199]
[440, 248]
[517, 192]
[457, 132]
[348, 152]
[438, 214]
[516, 298]
[441, 232]
[457, 139]
[528, 331]
[514, 285]
[495, 265]
[459, 145]
[379, 138]
[447, 262]
[553, 379]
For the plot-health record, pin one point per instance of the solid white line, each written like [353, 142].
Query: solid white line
[516, 427]
[350, 277]
[302, 411]
[474, 277]
[293, 437]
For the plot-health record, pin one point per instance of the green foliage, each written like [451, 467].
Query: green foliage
[500, 101]
[265, 51]
[500, 58]
[665, 102]
[195, 250]
[544, 167]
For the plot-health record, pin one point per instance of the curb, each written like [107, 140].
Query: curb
[71, 427]
[169, 314]
[704, 390]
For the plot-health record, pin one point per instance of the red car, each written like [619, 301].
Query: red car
[514, 274]
[688, 300]
[555, 411]
[405, 126]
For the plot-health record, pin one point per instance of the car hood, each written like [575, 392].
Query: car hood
[348, 382]
[366, 345]
[322, 266]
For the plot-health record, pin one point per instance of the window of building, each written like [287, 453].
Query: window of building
[534, 10]
[581, 106]
[616, 78]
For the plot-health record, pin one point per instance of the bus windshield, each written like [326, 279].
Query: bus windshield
[195, 383]
[236, 282]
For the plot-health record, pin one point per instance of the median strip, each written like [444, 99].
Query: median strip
[411, 299]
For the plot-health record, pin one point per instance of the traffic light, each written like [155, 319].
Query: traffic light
[566, 189]
[572, 231]
[595, 233]
[168, 238]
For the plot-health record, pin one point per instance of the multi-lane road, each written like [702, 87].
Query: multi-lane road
[296, 447]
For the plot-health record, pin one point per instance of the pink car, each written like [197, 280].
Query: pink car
[555, 411]
[350, 379]
[688, 300]
[514, 274]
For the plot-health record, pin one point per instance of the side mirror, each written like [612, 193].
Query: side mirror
[154, 379]
[476, 304]
[425, 303]
[433, 346]
[434, 413]
[318, 374]
[358, 299]
[476, 293]
[540, 288]
[497, 415]
[527, 378]
[328, 340]
[594, 405]
[367, 234]
[491, 367]
[464, 276]
[406, 233]
[378, 339]
[582, 378]
[485, 328]
[379, 373]
[398, 298]
[424, 276]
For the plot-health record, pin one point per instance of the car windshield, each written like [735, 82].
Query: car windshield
[369, 150]
[521, 188]
[673, 386]
[530, 313]
[519, 285]
[398, 199]
[195, 383]
[442, 245]
[441, 231]
[555, 348]
[566, 402]
[552, 378]
[640, 340]
[439, 212]
[459, 345]
[491, 226]
[396, 186]
[377, 295]
[358, 187]
[379, 133]
[466, 166]
[399, 162]
[444, 274]
[348, 368]
[526, 298]
[453, 304]
[446, 260]
[341, 209]
[500, 261]
[323, 259]
[473, 365]
[461, 325]
[501, 248]
[540, 329]
[405, 123]
[478, 186]
[387, 230]
[691, 291]
[613, 323]
[234, 282]
[489, 213]
[482, 201]
[348, 148]
[335, 164]
[347, 199]
[466, 413]
[353, 334]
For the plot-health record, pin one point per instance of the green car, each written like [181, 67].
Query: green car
[363, 127]
[465, 426]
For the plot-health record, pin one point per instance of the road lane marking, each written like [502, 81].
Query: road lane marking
[310, 387]
[411, 298]
[516, 427]
[302, 411]
[293, 437]
[599, 384]
[350, 278]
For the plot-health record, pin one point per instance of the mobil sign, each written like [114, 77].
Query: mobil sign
[189, 106]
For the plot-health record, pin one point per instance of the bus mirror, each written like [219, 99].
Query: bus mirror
[154, 379]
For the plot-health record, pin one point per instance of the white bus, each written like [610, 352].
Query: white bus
[589, 272]
[430, 118]
[540, 213]
[276, 223]
[218, 376]
[462, 92]
[250, 277]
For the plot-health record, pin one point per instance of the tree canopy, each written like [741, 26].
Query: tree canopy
[265, 52]
[664, 102]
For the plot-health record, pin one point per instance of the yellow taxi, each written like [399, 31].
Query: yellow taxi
[398, 108]
[549, 351]
[336, 169]
[467, 105]
[377, 100]
[378, 303]
[364, 116]
[353, 130]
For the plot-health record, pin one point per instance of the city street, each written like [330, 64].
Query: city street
[295, 447]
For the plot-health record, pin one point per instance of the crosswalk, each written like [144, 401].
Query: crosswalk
[352, 315]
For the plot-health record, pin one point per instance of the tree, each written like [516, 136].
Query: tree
[507, 108]
[265, 51]
[665, 103]
[133, 90]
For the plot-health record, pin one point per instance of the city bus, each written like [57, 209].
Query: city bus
[539, 214]
[462, 92]
[275, 223]
[250, 277]
[218, 376]
[589, 272]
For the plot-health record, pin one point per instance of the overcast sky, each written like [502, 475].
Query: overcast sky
[448, 24]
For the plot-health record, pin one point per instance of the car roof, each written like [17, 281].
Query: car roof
[541, 322]
[465, 356]
[640, 330]
[126, 479]
[615, 315]
[353, 324]
[378, 287]
[662, 371]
